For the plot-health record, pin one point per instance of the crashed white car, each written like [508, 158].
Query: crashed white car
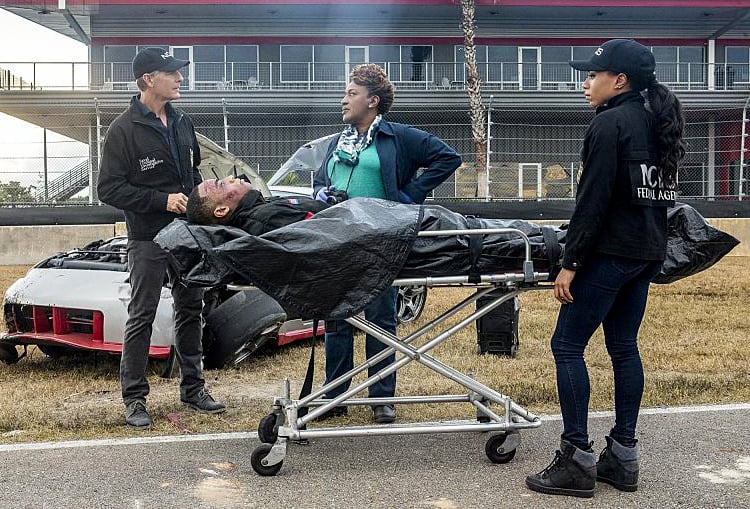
[77, 301]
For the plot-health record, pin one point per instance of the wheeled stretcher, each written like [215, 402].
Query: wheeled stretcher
[287, 424]
[349, 254]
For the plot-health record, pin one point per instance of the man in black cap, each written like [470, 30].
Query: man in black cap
[149, 166]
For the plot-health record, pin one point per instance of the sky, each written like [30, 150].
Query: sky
[21, 145]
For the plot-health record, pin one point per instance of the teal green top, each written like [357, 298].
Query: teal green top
[366, 178]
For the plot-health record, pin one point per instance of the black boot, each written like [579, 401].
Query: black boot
[572, 473]
[618, 466]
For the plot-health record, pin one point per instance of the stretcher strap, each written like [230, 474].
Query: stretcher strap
[307, 384]
[552, 246]
[475, 249]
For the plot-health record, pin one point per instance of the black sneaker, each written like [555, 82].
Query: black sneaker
[136, 415]
[383, 414]
[204, 403]
[618, 466]
[572, 473]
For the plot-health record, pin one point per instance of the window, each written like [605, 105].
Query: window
[738, 61]
[502, 63]
[555, 67]
[208, 62]
[212, 53]
[119, 54]
[582, 53]
[692, 67]
[242, 62]
[410, 63]
[680, 64]
[329, 63]
[385, 54]
[419, 56]
[295, 63]
[460, 72]
[667, 69]
[118, 66]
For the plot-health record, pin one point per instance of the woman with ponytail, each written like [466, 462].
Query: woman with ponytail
[615, 245]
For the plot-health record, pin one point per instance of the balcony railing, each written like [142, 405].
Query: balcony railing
[245, 76]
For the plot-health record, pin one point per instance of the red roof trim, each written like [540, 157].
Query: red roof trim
[500, 3]
[617, 3]
[734, 42]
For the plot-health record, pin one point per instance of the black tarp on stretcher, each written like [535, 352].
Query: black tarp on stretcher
[334, 264]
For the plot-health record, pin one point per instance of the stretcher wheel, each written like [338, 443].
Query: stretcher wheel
[495, 450]
[266, 433]
[256, 458]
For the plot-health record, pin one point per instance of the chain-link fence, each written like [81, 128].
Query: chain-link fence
[533, 152]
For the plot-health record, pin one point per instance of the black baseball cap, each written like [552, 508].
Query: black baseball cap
[620, 56]
[156, 59]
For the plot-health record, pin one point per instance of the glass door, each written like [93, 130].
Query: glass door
[528, 67]
[530, 181]
[356, 55]
[184, 53]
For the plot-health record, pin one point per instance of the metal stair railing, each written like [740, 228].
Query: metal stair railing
[66, 185]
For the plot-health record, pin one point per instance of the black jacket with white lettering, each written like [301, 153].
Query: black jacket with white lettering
[621, 203]
[138, 172]
[257, 215]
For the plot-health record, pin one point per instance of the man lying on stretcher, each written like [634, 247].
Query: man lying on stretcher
[292, 262]
[233, 201]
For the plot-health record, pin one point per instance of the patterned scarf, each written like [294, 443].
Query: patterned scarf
[351, 144]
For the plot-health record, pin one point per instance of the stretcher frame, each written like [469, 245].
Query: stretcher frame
[285, 424]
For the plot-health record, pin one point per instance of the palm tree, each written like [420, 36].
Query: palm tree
[473, 89]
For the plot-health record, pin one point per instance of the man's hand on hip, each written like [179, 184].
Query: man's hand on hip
[177, 203]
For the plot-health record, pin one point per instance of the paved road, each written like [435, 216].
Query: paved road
[693, 457]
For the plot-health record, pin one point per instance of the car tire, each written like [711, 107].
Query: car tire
[410, 302]
[8, 353]
[54, 351]
[239, 326]
[169, 367]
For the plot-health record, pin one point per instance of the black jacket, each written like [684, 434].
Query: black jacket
[257, 215]
[138, 171]
[621, 204]
[402, 151]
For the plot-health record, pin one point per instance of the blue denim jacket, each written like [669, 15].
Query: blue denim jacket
[402, 151]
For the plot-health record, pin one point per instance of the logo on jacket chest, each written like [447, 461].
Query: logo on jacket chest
[149, 163]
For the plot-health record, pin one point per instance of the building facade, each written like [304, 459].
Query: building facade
[267, 76]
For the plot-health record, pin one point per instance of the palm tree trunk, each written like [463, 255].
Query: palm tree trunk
[473, 89]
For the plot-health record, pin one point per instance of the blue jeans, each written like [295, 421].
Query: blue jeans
[340, 347]
[611, 291]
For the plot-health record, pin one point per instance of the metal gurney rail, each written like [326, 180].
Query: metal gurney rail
[286, 423]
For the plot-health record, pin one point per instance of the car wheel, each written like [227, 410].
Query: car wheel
[53, 351]
[410, 302]
[239, 326]
[8, 353]
[169, 367]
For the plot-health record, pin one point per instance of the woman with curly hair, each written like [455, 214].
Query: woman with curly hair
[377, 159]
[615, 245]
